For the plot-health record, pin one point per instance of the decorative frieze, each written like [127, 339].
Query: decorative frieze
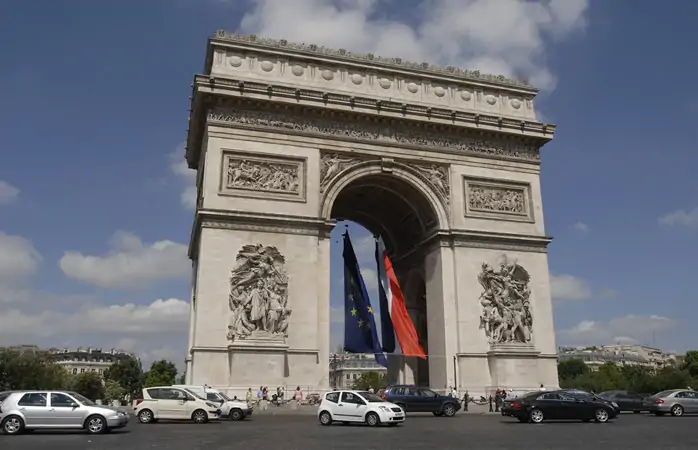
[375, 132]
[497, 200]
[398, 63]
[331, 165]
[438, 178]
[263, 176]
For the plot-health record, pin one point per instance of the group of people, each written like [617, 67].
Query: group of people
[277, 399]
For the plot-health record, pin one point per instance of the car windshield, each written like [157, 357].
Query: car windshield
[84, 400]
[225, 397]
[606, 394]
[371, 398]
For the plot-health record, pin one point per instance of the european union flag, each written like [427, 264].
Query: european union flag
[360, 335]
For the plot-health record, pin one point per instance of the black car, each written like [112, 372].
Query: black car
[626, 400]
[558, 405]
[420, 399]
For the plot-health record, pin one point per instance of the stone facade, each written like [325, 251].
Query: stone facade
[443, 163]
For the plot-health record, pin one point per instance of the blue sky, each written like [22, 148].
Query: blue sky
[94, 219]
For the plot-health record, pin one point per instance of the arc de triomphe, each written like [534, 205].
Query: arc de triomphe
[443, 163]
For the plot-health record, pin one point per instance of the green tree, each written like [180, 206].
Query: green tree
[690, 363]
[161, 373]
[571, 368]
[373, 380]
[129, 374]
[30, 371]
[113, 391]
[89, 384]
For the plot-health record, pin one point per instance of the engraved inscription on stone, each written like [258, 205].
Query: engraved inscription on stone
[258, 297]
[270, 175]
[332, 165]
[375, 132]
[498, 199]
[505, 301]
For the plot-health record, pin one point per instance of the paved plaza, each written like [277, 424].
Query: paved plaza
[302, 431]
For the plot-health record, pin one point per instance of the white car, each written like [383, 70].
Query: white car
[358, 406]
[232, 409]
[169, 403]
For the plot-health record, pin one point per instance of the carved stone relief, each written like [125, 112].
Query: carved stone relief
[245, 173]
[259, 295]
[376, 132]
[438, 177]
[505, 300]
[499, 200]
[332, 165]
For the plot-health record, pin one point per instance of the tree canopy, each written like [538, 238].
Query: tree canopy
[161, 373]
[369, 380]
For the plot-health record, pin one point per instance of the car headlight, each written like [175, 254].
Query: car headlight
[384, 408]
[120, 413]
[212, 405]
[615, 405]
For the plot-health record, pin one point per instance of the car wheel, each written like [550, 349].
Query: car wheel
[536, 415]
[449, 410]
[372, 419]
[199, 416]
[145, 416]
[236, 414]
[437, 414]
[96, 425]
[677, 410]
[325, 418]
[12, 425]
[601, 416]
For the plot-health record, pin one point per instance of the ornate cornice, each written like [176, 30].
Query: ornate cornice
[375, 60]
[261, 222]
[488, 240]
[361, 120]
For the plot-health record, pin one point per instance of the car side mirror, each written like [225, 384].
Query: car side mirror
[74, 405]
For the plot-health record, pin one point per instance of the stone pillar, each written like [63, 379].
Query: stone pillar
[442, 324]
[323, 310]
[192, 323]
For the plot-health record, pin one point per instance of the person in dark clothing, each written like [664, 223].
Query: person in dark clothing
[491, 403]
[466, 400]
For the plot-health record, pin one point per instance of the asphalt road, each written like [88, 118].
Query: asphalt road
[302, 431]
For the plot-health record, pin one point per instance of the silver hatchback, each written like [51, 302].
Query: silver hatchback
[31, 410]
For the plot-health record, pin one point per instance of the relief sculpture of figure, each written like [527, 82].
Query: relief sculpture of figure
[258, 294]
[505, 300]
[261, 175]
[331, 166]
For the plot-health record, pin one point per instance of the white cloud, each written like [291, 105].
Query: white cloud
[680, 218]
[185, 176]
[568, 287]
[161, 316]
[129, 264]
[581, 227]
[8, 193]
[501, 37]
[18, 258]
[630, 328]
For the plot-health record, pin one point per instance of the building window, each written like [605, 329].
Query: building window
[75, 371]
[348, 376]
[354, 376]
[82, 370]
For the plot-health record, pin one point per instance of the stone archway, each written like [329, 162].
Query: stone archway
[444, 163]
[401, 204]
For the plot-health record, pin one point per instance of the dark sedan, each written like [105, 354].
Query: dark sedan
[626, 400]
[421, 399]
[558, 405]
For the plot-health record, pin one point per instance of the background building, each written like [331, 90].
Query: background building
[346, 368]
[88, 359]
[622, 355]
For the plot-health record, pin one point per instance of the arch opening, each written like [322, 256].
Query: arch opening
[393, 208]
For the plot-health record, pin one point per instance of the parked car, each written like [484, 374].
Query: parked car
[675, 402]
[420, 399]
[170, 403]
[232, 409]
[558, 405]
[584, 395]
[358, 406]
[626, 400]
[31, 410]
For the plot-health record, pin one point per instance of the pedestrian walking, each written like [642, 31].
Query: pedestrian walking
[298, 395]
[466, 400]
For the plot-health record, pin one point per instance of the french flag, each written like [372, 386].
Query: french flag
[395, 321]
